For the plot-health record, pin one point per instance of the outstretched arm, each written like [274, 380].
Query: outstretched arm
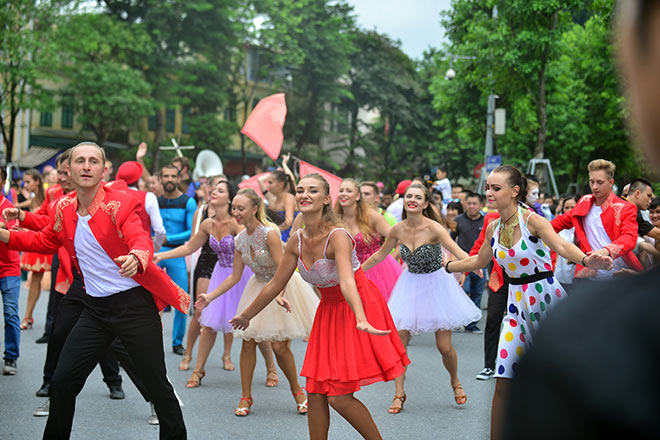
[449, 244]
[196, 242]
[474, 262]
[342, 246]
[541, 227]
[391, 241]
[203, 299]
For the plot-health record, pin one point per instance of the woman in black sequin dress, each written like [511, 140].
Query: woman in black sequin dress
[425, 298]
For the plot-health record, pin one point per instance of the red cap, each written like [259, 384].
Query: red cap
[403, 186]
[130, 172]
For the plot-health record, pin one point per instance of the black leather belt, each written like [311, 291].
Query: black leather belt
[526, 280]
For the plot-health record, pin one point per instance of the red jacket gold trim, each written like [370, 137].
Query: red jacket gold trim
[619, 219]
[117, 227]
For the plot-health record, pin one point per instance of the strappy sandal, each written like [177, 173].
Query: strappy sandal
[242, 412]
[460, 400]
[270, 380]
[301, 407]
[227, 364]
[396, 410]
[185, 363]
[196, 379]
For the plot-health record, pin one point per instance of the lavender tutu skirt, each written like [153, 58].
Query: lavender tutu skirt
[218, 313]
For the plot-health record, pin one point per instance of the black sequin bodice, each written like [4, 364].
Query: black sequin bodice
[427, 258]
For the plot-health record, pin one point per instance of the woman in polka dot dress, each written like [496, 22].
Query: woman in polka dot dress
[520, 242]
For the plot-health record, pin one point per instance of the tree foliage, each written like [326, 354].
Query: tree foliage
[26, 58]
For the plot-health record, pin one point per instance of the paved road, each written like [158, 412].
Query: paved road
[430, 412]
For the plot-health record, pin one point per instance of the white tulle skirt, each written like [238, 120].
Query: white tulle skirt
[274, 323]
[423, 303]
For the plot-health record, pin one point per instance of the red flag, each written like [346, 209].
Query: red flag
[253, 182]
[264, 125]
[334, 181]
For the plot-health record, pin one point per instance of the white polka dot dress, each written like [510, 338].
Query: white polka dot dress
[533, 291]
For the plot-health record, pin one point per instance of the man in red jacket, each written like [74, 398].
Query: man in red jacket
[10, 287]
[101, 231]
[603, 222]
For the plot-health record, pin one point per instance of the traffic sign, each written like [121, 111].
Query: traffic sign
[493, 162]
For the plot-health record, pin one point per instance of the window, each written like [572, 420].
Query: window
[185, 128]
[230, 114]
[46, 119]
[67, 116]
[170, 115]
[151, 124]
[252, 64]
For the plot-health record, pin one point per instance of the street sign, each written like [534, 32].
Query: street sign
[500, 121]
[493, 162]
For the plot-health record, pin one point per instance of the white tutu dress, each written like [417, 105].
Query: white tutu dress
[273, 323]
[426, 298]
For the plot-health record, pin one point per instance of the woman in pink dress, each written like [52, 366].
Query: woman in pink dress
[367, 226]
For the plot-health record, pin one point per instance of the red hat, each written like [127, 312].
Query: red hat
[403, 186]
[130, 172]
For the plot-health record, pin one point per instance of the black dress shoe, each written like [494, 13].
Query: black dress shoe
[43, 339]
[116, 392]
[178, 349]
[44, 390]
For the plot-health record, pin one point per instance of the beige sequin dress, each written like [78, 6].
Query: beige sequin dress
[273, 323]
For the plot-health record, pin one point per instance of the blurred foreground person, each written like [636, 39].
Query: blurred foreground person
[593, 365]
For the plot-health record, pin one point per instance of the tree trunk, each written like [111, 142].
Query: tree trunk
[310, 121]
[349, 166]
[541, 103]
[158, 139]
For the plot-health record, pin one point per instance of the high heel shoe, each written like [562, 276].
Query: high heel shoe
[184, 365]
[301, 407]
[227, 364]
[27, 323]
[271, 378]
[394, 409]
[460, 400]
[242, 412]
[196, 379]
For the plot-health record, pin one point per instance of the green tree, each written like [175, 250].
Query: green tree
[184, 68]
[108, 95]
[315, 40]
[26, 57]
[383, 79]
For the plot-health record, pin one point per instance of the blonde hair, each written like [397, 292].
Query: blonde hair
[602, 165]
[328, 216]
[361, 214]
[257, 201]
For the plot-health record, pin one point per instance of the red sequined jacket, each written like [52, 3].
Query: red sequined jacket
[117, 227]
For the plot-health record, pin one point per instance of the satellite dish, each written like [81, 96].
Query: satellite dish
[207, 164]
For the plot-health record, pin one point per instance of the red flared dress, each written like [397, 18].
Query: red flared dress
[340, 359]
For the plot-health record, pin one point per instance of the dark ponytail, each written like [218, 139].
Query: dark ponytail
[286, 179]
[514, 178]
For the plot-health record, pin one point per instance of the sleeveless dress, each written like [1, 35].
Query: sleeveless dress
[384, 274]
[273, 323]
[340, 359]
[218, 313]
[426, 298]
[528, 302]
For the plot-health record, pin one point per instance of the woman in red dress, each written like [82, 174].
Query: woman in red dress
[38, 264]
[346, 347]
